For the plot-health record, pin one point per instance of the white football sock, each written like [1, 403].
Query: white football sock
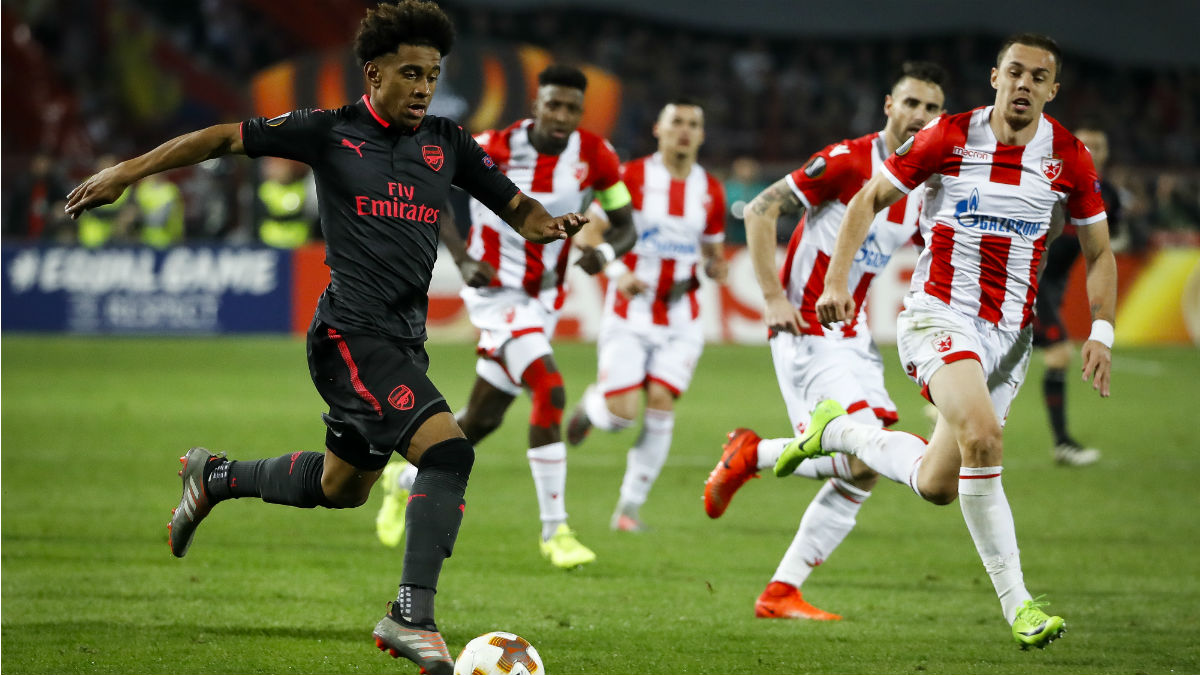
[598, 413]
[833, 466]
[894, 454]
[548, 464]
[645, 460]
[826, 522]
[404, 479]
[989, 518]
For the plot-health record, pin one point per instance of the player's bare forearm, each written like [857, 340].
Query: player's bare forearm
[192, 148]
[1101, 270]
[760, 217]
[875, 196]
[713, 254]
[530, 219]
[621, 233]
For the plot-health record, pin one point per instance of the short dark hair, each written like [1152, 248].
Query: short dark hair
[1034, 40]
[563, 76]
[685, 100]
[925, 71]
[408, 22]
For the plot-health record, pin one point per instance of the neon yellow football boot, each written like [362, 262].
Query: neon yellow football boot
[809, 443]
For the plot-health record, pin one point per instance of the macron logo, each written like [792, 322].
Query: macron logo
[354, 147]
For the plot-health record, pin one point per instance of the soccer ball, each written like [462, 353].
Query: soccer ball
[499, 653]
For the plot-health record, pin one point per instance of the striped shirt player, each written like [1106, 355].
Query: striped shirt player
[814, 362]
[996, 178]
[517, 302]
[661, 325]
[651, 338]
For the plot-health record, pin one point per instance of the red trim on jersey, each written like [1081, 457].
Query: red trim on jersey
[620, 302]
[941, 265]
[993, 275]
[534, 267]
[355, 380]
[675, 197]
[491, 250]
[670, 387]
[525, 331]
[666, 278]
[812, 291]
[543, 173]
[634, 174]
[896, 211]
[1039, 247]
[714, 222]
[374, 114]
[1006, 164]
[860, 296]
[986, 475]
[960, 356]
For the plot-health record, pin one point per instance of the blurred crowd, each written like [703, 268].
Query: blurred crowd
[769, 104]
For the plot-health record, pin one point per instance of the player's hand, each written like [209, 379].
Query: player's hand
[630, 286]
[716, 269]
[476, 273]
[781, 316]
[835, 304]
[591, 260]
[1097, 366]
[568, 225]
[103, 188]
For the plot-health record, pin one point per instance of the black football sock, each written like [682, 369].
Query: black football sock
[292, 480]
[414, 607]
[1054, 391]
[435, 511]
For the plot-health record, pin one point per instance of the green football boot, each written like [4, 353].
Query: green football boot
[1035, 628]
[809, 444]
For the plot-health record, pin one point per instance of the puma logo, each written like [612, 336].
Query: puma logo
[354, 147]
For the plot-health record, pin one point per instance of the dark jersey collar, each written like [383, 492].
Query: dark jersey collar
[384, 124]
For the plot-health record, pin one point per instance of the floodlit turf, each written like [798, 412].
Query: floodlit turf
[92, 429]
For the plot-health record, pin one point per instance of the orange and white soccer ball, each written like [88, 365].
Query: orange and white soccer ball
[499, 653]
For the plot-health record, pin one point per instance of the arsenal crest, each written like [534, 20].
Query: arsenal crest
[433, 156]
[1051, 167]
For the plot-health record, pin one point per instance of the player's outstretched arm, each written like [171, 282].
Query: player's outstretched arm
[530, 219]
[1102, 296]
[619, 238]
[193, 148]
[761, 213]
[836, 303]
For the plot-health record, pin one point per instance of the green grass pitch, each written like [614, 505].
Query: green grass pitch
[92, 429]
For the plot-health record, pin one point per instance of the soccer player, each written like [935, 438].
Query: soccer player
[1048, 330]
[514, 294]
[383, 169]
[651, 338]
[965, 335]
[811, 362]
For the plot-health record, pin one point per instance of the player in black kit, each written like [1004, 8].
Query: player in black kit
[383, 170]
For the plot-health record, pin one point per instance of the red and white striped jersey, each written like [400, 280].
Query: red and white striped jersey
[563, 183]
[673, 217]
[825, 186]
[985, 228]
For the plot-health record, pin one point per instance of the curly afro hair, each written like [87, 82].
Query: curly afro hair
[409, 22]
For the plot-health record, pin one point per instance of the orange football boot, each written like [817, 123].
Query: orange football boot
[739, 463]
[784, 601]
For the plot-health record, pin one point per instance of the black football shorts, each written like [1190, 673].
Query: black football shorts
[377, 391]
[1048, 326]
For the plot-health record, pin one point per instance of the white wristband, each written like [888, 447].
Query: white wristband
[1102, 332]
[607, 251]
[615, 270]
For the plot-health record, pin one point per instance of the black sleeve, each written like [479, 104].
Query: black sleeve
[294, 135]
[478, 174]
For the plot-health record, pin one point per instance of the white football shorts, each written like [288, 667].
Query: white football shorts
[929, 335]
[814, 367]
[514, 331]
[632, 355]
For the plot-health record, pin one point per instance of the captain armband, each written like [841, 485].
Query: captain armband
[614, 196]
